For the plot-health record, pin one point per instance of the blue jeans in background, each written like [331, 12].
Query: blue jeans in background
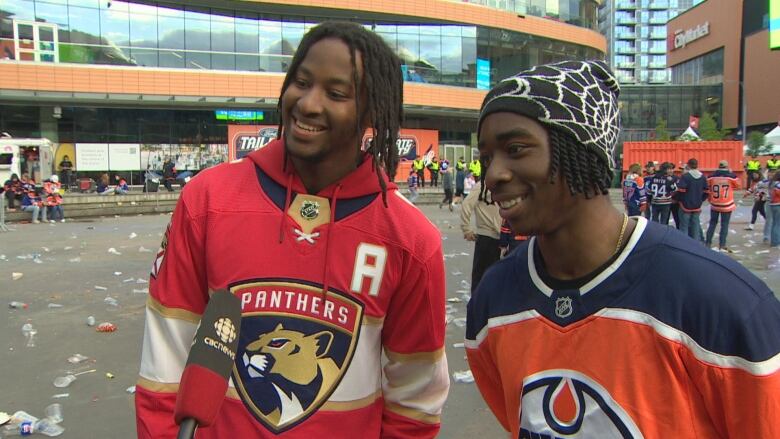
[775, 209]
[35, 211]
[768, 224]
[689, 224]
[661, 213]
[725, 217]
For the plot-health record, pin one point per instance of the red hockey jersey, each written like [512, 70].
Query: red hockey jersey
[693, 352]
[342, 331]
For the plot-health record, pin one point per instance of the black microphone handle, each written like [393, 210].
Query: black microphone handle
[187, 428]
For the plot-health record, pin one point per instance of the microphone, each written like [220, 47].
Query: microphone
[209, 363]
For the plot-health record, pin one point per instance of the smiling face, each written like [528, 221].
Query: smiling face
[319, 114]
[517, 152]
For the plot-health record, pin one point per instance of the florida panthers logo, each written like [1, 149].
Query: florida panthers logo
[295, 345]
[566, 403]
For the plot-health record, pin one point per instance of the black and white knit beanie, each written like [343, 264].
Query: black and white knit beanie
[576, 97]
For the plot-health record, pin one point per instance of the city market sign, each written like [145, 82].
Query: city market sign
[683, 38]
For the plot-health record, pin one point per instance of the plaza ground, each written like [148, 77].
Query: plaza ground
[62, 264]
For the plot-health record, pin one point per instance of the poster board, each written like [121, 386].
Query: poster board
[92, 156]
[124, 156]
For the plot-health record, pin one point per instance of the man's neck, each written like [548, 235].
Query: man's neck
[586, 241]
[316, 176]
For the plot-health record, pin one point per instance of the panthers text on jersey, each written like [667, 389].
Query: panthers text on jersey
[692, 352]
[342, 297]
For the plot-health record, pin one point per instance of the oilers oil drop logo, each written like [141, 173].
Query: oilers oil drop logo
[566, 403]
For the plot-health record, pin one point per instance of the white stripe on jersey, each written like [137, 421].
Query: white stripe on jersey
[420, 385]
[761, 368]
[165, 348]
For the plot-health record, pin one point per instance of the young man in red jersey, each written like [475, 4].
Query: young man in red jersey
[341, 279]
[603, 325]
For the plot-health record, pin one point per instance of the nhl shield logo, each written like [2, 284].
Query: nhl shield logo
[563, 307]
[310, 210]
[294, 347]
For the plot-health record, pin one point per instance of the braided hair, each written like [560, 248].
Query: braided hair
[382, 85]
[585, 171]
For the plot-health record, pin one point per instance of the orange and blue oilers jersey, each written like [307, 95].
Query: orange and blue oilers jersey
[626, 355]
[722, 185]
[634, 191]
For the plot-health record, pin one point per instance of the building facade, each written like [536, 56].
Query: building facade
[160, 74]
[636, 37]
[727, 42]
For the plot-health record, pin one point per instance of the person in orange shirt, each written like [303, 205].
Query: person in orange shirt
[722, 184]
[601, 325]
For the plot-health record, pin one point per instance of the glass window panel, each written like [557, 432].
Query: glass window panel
[430, 57]
[409, 29]
[426, 29]
[270, 46]
[144, 57]
[469, 31]
[250, 63]
[469, 60]
[143, 26]
[453, 31]
[115, 27]
[84, 25]
[86, 3]
[292, 33]
[223, 38]
[114, 5]
[451, 53]
[55, 14]
[408, 48]
[247, 37]
[171, 11]
[171, 32]
[197, 39]
[386, 28]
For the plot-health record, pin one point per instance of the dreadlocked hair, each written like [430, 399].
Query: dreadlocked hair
[585, 171]
[382, 85]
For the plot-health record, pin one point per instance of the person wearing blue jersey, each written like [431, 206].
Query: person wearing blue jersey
[660, 188]
[602, 325]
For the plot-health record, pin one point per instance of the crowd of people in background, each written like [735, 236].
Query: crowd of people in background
[44, 203]
[659, 194]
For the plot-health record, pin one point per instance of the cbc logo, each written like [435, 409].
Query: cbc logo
[225, 330]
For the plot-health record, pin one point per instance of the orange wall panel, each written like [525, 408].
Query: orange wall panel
[134, 80]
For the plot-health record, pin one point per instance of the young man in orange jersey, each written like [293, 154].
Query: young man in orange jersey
[341, 279]
[604, 326]
[722, 184]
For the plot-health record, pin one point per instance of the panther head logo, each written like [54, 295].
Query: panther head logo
[295, 366]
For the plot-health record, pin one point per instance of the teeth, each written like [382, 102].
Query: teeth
[509, 203]
[305, 127]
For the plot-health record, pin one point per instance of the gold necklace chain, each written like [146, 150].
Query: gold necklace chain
[622, 232]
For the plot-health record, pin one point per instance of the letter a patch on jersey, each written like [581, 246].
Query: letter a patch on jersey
[294, 347]
[158, 260]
